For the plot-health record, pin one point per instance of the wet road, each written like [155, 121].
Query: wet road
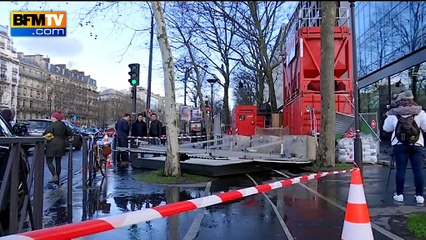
[314, 210]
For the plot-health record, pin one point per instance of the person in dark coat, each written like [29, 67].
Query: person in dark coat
[139, 128]
[155, 129]
[55, 147]
[123, 130]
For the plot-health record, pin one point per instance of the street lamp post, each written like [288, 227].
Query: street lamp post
[212, 81]
[185, 84]
[357, 139]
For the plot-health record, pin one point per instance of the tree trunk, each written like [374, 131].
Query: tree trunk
[263, 56]
[326, 148]
[172, 164]
[271, 88]
[260, 86]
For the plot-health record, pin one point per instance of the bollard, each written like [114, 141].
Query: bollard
[69, 181]
[114, 152]
[84, 163]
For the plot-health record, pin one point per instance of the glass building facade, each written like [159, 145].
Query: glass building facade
[391, 54]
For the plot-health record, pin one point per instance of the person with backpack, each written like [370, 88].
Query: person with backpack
[406, 120]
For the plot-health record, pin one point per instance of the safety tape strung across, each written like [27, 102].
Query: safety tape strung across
[164, 137]
[90, 227]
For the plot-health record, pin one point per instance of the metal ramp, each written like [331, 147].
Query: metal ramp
[227, 148]
[344, 122]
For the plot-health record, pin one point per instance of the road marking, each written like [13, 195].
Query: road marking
[195, 226]
[374, 226]
[280, 219]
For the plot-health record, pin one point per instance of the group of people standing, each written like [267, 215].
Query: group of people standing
[139, 128]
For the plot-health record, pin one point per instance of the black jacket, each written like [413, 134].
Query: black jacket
[139, 129]
[123, 129]
[155, 129]
[56, 146]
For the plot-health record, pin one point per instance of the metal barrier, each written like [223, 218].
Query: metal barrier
[21, 181]
[84, 158]
[90, 227]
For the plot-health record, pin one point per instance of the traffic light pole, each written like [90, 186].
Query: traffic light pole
[148, 94]
[134, 103]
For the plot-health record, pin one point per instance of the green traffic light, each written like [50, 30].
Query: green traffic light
[134, 81]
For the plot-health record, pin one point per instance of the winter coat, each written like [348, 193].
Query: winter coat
[139, 129]
[123, 129]
[155, 128]
[56, 146]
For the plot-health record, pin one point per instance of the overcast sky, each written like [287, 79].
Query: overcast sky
[96, 47]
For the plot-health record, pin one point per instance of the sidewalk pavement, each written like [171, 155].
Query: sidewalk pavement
[384, 212]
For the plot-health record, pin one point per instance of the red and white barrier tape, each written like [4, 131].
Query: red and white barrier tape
[90, 227]
[164, 137]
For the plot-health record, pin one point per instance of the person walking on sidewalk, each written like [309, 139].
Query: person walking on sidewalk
[56, 135]
[405, 120]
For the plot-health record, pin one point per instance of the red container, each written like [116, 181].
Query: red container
[244, 120]
[302, 79]
[302, 72]
[260, 122]
[303, 115]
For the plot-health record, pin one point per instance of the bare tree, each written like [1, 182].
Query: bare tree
[186, 38]
[244, 86]
[257, 24]
[326, 148]
[409, 28]
[217, 32]
[172, 164]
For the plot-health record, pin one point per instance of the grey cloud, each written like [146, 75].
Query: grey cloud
[51, 46]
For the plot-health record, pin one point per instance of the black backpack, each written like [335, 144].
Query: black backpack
[407, 131]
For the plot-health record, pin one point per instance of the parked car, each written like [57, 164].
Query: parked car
[92, 131]
[36, 127]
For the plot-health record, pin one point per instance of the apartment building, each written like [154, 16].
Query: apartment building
[9, 71]
[46, 87]
[117, 102]
[73, 93]
[32, 94]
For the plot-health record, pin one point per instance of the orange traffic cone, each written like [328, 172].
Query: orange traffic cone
[109, 161]
[357, 223]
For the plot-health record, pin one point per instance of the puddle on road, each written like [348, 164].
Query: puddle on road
[121, 194]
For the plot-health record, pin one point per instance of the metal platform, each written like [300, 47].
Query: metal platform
[224, 156]
[212, 168]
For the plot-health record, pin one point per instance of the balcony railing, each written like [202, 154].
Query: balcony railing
[33, 75]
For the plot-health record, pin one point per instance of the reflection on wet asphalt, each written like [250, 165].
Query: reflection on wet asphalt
[306, 215]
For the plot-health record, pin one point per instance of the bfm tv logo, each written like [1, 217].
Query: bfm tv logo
[38, 24]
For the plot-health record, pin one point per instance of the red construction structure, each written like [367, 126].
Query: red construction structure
[244, 120]
[302, 93]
